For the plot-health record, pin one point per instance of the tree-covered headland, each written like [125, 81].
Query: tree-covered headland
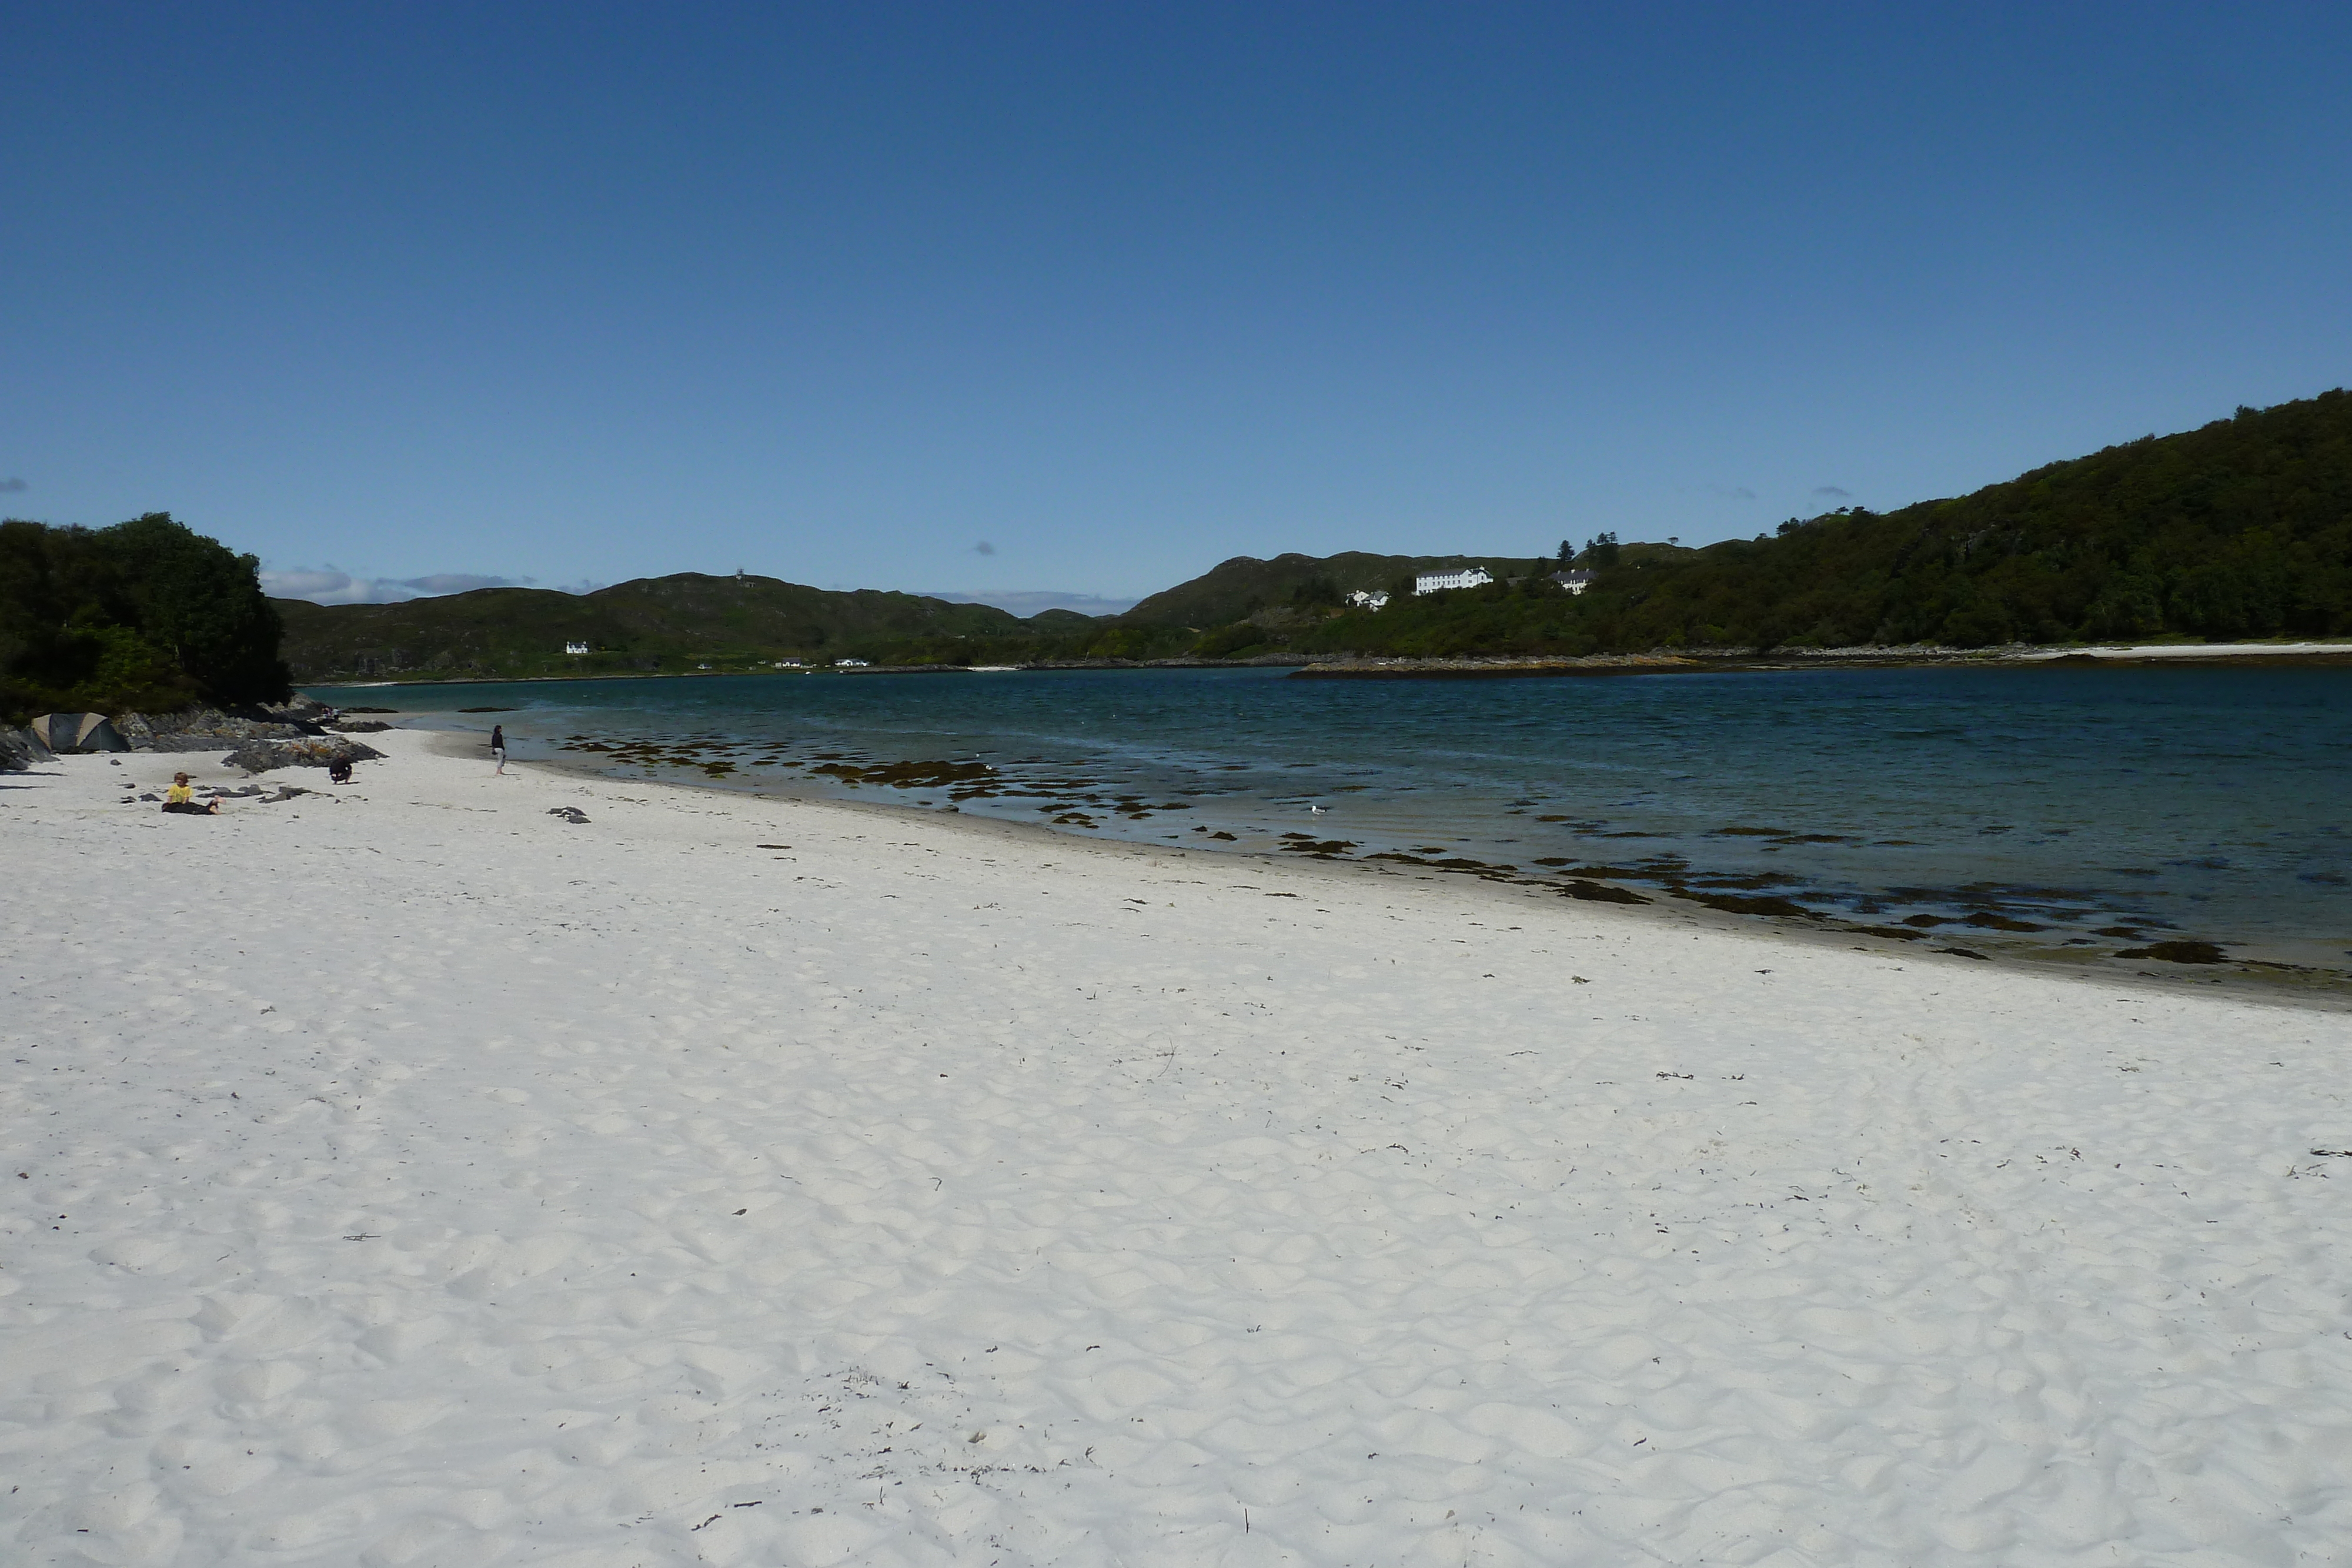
[145, 615]
[2240, 529]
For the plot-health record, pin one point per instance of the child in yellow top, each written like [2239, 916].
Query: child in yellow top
[178, 798]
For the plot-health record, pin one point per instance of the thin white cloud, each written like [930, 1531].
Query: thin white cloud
[331, 586]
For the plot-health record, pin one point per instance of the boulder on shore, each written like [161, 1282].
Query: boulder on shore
[310, 751]
[20, 750]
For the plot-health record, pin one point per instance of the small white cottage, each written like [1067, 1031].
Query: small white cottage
[1369, 599]
[575, 647]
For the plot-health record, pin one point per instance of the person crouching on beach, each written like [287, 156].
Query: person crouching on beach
[181, 799]
[498, 747]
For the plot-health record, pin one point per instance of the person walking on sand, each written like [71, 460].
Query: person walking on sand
[180, 799]
[498, 747]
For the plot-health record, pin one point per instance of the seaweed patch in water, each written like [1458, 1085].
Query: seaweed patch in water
[1754, 883]
[1732, 905]
[1602, 893]
[1665, 868]
[2176, 952]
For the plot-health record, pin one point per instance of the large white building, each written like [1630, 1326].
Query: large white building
[1438, 581]
[1574, 581]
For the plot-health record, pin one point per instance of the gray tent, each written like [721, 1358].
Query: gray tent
[71, 732]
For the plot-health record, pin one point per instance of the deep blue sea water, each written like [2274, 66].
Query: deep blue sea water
[2172, 803]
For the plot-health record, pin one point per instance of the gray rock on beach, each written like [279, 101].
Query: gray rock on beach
[20, 750]
[209, 729]
[262, 756]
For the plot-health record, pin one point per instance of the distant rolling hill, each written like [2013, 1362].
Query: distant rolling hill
[650, 625]
[2240, 528]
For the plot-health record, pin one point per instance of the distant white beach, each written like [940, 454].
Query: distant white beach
[406, 1175]
[2137, 650]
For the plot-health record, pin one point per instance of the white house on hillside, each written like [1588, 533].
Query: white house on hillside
[1369, 599]
[1574, 581]
[575, 647]
[1438, 581]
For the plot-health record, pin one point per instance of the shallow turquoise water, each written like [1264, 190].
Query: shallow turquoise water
[2201, 802]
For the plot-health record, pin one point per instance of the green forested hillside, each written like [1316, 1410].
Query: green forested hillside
[2242, 529]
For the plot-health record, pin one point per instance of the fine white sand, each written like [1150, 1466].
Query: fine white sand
[418, 1178]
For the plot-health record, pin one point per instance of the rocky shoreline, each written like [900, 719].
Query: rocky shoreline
[299, 733]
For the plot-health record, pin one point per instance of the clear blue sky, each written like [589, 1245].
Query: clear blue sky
[841, 293]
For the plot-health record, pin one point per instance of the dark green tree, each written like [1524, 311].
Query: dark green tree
[145, 615]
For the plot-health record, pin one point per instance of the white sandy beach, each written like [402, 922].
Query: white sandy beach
[414, 1177]
[2144, 652]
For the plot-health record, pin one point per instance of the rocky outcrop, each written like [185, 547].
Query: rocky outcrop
[210, 728]
[20, 750]
[262, 756]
